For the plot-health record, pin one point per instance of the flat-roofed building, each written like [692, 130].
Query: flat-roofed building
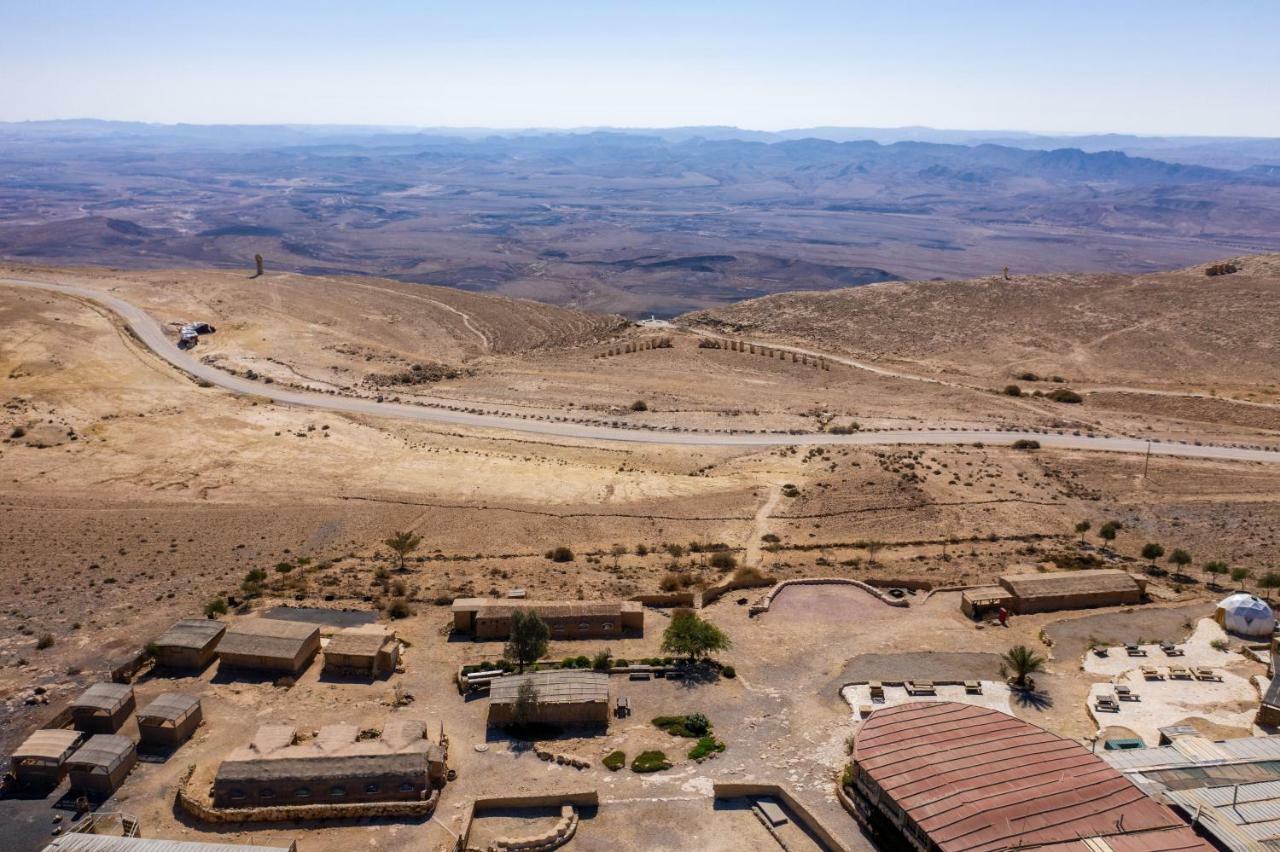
[189, 644]
[269, 644]
[74, 842]
[559, 697]
[942, 776]
[100, 765]
[484, 618]
[369, 650]
[103, 708]
[42, 757]
[1050, 591]
[336, 766]
[169, 719]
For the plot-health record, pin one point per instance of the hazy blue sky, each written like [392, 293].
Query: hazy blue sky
[1150, 66]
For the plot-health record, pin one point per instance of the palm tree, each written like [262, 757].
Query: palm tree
[1022, 662]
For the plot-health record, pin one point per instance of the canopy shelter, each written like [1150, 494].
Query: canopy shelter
[169, 719]
[103, 708]
[41, 759]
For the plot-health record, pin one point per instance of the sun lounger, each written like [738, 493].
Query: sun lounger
[1134, 651]
[877, 691]
[1151, 673]
[1179, 673]
[972, 687]
[1205, 673]
[1107, 704]
[920, 687]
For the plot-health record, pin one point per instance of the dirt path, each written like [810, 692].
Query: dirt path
[760, 526]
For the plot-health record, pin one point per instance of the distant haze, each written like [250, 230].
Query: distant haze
[1173, 68]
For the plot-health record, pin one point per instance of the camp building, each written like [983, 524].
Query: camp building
[74, 842]
[369, 650]
[42, 757]
[269, 644]
[100, 765]
[336, 766]
[170, 719]
[940, 776]
[1054, 590]
[491, 619]
[559, 697]
[103, 708]
[188, 644]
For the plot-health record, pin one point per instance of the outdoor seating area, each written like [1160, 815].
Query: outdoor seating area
[920, 688]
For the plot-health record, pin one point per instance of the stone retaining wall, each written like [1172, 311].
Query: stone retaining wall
[198, 807]
[815, 827]
[765, 602]
[577, 798]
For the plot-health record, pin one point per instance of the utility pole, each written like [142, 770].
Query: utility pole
[1147, 461]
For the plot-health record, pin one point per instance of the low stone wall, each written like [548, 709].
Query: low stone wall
[562, 759]
[815, 827]
[665, 599]
[577, 798]
[765, 602]
[732, 584]
[558, 836]
[199, 808]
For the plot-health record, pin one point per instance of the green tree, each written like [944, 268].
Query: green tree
[402, 544]
[618, 551]
[1107, 532]
[1181, 559]
[1022, 662]
[1082, 528]
[693, 637]
[1269, 581]
[1216, 568]
[1239, 575]
[1152, 551]
[529, 638]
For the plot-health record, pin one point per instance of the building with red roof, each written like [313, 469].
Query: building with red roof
[951, 777]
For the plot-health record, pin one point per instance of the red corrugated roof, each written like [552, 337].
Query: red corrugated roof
[978, 779]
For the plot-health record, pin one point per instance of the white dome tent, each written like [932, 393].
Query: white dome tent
[1246, 615]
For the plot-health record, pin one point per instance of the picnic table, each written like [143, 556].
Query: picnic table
[1151, 673]
[1107, 704]
[920, 687]
[973, 687]
[1124, 693]
[1133, 650]
[1205, 673]
[877, 691]
[1171, 650]
[1180, 673]
[624, 707]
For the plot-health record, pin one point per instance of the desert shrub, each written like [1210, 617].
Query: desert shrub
[671, 581]
[560, 554]
[284, 567]
[1221, 269]
[639, 405]
[1065, 395]
[790, 490]
[18, 432]
[642, 550]
[217, 606]
[691, 727]
[45, 641]
[723, 560]
[622, 662]
[845, 430]
[1220, 645]
[1026, 444]
[705, 746]
[399, 608]
[748, 574]
[729, 672]
[674, 550]
[846, 777]
[1012, 390]
[615, 760]
[1028, 377]
[650, 761]
[600, 661]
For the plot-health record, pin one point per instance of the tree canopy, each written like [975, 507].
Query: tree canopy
[693, 637]
[403, 543]
[529, 637]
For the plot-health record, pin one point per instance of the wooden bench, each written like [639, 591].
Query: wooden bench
[972, 687]
[1151, 673]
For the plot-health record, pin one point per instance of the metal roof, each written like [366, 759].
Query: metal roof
[1196, 751]
[558, 687]
[488, 608]
[47, 744]
[103, 843]
[1243, 817]
[169, 706]
[335, 752]
[978, 779]
[107, 697]
[101, 750]
[195, 633]
[364, 641]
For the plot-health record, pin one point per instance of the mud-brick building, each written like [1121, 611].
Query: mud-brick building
[491, 619]
[559, 698]
[369, 650]
[269, 645]
[337, 766]
[1055, 590]
[189, 644]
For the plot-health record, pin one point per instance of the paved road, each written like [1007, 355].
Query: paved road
[155, 338]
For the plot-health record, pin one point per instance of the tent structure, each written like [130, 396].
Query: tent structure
[1246, 615]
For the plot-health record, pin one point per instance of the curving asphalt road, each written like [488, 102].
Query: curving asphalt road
[153, 337]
